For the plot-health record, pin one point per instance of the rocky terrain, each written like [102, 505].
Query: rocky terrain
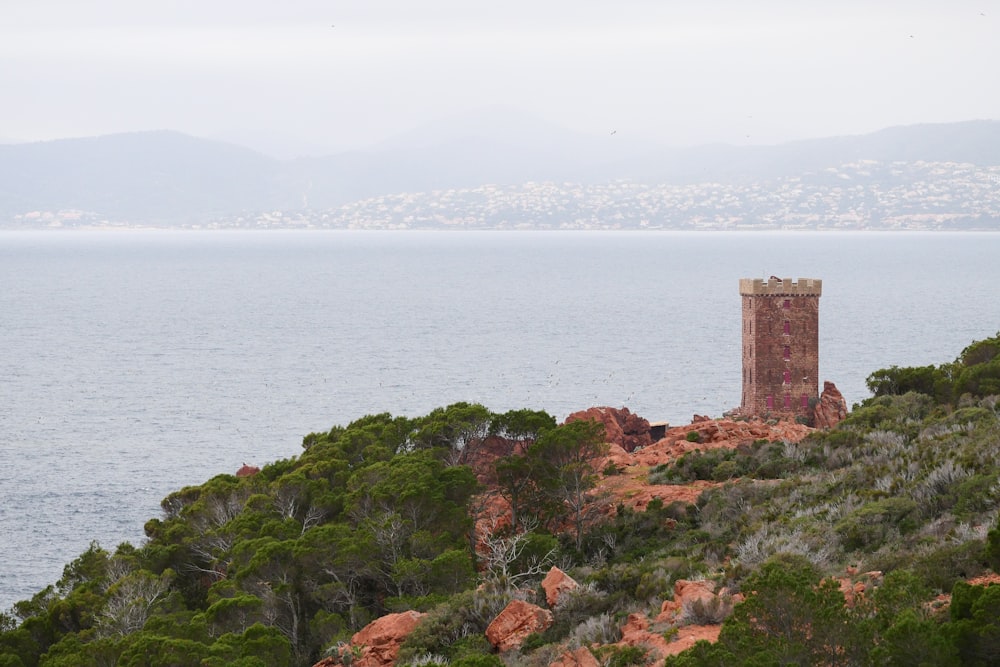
[631, 456]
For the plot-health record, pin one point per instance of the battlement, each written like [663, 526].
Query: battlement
[781, 287]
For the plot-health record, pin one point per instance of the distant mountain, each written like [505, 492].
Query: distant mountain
[976, 142]
[163, 177]
[137, 176]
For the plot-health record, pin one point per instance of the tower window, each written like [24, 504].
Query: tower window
[788, 401]
[787, 303]
[788, 327]
[788, 352]
[805, 401]
[788, 377]
[770, 401]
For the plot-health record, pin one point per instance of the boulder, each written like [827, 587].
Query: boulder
[379, 641]
[513, 625]
[621, 427]
[247, 470]
[831, 409]
[685, 593]
[555, 583]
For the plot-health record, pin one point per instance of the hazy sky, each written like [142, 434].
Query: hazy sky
[313, 76]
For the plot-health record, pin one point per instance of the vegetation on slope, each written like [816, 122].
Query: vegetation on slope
[392, 513]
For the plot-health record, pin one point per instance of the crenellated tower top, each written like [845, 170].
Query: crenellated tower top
[781, 287]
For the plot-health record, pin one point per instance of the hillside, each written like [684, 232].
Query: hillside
[808, 546]
[505, 171]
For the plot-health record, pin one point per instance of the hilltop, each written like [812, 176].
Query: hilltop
[510, 172]
[467, 537]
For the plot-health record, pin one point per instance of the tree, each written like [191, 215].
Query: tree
[563, 461]
[894, 381]
[521, 427]
[513, 472]
[453, 429]
[131, 600]
[514, 478]
[790, 617]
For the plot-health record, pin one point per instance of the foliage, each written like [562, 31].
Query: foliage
[385, 514]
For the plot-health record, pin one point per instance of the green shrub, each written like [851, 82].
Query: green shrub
[445, 627]
[870, 525]
[942, 566]
[487, 660]
[626, 656]
[693, 436]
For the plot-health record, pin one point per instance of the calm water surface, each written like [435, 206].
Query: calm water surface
[134, 363]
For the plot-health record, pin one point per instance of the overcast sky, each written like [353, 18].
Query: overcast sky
[344, 74]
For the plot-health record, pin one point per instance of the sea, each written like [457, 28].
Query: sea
[134, 363]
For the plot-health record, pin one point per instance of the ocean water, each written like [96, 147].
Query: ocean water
[134, 363]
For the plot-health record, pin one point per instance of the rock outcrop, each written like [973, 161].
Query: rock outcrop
[637, 632]
[480, 455]
[630, 486]
[518, 620]
[378, 642]
[831, 409]
[555, 583]
[621, 427]
[640, 631]
[686, 593]
[715, 434]
[247, 470]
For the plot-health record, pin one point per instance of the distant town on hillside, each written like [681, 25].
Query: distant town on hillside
[924, 177]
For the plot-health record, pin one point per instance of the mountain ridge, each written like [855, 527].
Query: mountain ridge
[164, 176]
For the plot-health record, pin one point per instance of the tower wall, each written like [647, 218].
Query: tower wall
[780, 346]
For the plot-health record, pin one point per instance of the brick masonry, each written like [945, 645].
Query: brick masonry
[780, 346]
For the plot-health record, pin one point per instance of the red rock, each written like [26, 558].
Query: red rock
[379, 641]
[685, 593]
[518, 620]
[480, 455]
[636, 632]
[581, 657]
[247, 470]
[621, 427]
[688, 635]
[831, 409]
[555, 583]
[617, 457]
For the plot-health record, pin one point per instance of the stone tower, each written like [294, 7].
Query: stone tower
[780, 346]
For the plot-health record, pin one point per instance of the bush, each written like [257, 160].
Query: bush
[943, 566]
[464, 615]
[626, 656]
[869, 526]
[711, 611]
[487, 660]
